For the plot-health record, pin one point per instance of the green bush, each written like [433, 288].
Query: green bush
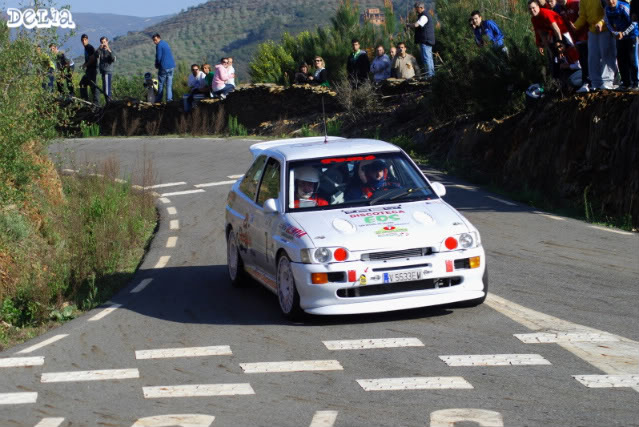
[89, 130]
[14, 226]
[234, 128]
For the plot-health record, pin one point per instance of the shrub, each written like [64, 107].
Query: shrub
[357, 101]
[235, 128]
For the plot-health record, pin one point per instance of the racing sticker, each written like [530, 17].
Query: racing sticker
[392, 231]
[291, 231]
[362, 279]
[449, 266]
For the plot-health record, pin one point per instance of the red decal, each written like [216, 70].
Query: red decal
[389, 228]
[449, 266]
[352, 275]
[346, 159]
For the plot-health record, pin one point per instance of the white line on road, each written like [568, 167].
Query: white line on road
[215, 184]
[171, 210]
[197, 390]
[505, 202]
[296, 366]
[556, 218]
[165, 200]
[495, 360]
[168, 184]
[608, 381]
[372, 343]
[324, 419]
[17, 362]
[171, 242]
[563, 337]
[98, 375]
[143, 284]
[414, 383]
[182, 193]
[235, 176]
[167, 353]
[43, 343]
[464, 187]
[174, 224]
[612, 230]
[18, 398]
[163, 261]
[180, 420]
[50, 422]
[105, 312]
[481, 417]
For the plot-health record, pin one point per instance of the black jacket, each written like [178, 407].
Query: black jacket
[634, 8]
[425, 34]
[359, 67]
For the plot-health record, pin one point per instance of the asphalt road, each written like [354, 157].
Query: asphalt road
[560, 324]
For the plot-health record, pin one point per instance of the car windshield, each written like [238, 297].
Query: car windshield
[356, 180]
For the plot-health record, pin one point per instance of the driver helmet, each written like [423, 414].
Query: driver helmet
[306, 174]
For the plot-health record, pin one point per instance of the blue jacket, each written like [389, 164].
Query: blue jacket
[163, 56]
[618, 20]
[492, 31]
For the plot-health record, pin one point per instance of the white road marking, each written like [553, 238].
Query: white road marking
[183, 193]
[50, 422]
[197, 390]
[143, 284]
[557, 218]
[105, 312]
[464, 187]
[619, 357]
[482, 417]
[166, 353]
[372, 343]
[253, 140]
[17, 362]
[165, 200]
[168, 184]
[563, 337]
[18, 398]
[495, 360]
[293, 366]
[171, 210]
[171, 242]
[324, 419]
[174, 224]
[612, 230]
[235, 176]
[414, 383]
[505, 202]
[608, 381]
[215, 184]
[179, 420]
[43, 343]
[121, 181]
[98, 375]
[163, 261]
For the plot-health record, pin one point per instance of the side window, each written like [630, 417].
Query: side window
[270, 188]
[252, 178]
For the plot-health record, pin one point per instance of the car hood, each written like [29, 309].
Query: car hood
[402, 225]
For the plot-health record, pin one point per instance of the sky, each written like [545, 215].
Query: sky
[143, 8]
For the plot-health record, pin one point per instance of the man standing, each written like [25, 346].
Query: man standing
[619, 22]
[165, 65]
[91, 71]
[404, 64]
[489, 29]
[63, 69]
[106, 58]
[357, 65]
[424, 38]
[381, 65]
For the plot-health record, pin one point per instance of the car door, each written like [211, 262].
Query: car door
[270, 188]
[246, 208]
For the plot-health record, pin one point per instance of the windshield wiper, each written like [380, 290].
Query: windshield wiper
[394, 194]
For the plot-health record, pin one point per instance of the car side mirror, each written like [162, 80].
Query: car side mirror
[439, 188]
[270, 206]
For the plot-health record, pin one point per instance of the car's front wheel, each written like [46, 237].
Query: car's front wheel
[234, 261]
[287, 293]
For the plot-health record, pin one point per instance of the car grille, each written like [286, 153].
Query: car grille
[406, 253]
[393, 288]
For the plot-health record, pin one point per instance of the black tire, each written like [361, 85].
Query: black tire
[287, 295]
[234, 263]
[477, 301]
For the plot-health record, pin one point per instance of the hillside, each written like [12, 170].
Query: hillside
[219, 28]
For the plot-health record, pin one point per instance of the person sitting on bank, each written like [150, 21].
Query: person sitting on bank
[404, 64]
[221, 86]
[302, 75]
[320, 76]
[196, 80]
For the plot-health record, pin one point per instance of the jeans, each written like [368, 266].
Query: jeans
[427, 59]
[225, 90]
[107, 78]
[602, 59]
[627, 59]
[582, 48]
[165, 79]
[89, 80]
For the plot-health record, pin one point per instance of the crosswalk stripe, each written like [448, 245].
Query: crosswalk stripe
[163, 261]
[168, 184]
[372, 343]
[42, 344]
[197, 390]
[215, 184]
[495, 360]
[182, 193]
[324, 419]
[16, 362]
[606, 381]
[166, 353]
[293, 366]
[143, 284]
[50, 422]
[105, 312]
[563, 337]
[414, 383]
[97, 375]
[18, 398]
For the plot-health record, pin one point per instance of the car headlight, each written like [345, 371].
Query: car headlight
[323, 255]
[466, 240]
[461, 241]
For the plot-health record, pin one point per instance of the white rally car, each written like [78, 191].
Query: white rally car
[344, 226]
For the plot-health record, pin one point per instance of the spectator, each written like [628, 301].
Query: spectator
[618, 20]
[602, 51]
[232, 71]
[357, 65]
[208, 79]
[393, 54]
[404, 64]
[552, 4]
[569, 10]
[64, 69]
[424, 38]
[106, 59]
[381, 65]
[221, 87]
[544, 4]
[566, 65]
[165, 65]
[90, 71]
[549, 26]
[195, 82]
[320, 77]
[302, 76]
[487, 28]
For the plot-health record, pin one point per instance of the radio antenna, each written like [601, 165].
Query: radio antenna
[324, 118]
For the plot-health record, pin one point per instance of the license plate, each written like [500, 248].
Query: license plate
[403, 276]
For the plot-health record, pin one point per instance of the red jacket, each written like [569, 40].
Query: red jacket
[543, 23]
[318, 201]
[570, 12]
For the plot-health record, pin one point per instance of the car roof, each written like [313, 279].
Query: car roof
[318, 147]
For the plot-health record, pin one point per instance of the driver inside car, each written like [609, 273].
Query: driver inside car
[373, 179]
[306, 186]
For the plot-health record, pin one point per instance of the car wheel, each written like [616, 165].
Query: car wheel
[234, 261]
[477, 301]
[287, 293]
